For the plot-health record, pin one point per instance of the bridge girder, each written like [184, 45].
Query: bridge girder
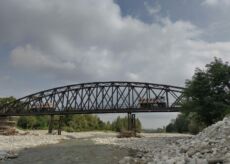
[98, 97]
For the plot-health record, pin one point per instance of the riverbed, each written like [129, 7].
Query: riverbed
[212, 145]
[79, 151]
[82, 147]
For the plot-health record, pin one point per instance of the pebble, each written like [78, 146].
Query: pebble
[3, 154]
[210, 146]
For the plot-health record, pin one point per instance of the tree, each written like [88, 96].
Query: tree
[181, 123]
[5, 100]
[208, 93]
[170, 127]
[41, 122]
[84, 122]
[122, 124]
[26, 122]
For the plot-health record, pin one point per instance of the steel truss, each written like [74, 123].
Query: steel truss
[97, 97]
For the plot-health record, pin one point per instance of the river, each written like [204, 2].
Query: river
[80, 151]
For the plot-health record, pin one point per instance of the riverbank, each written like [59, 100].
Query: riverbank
[27, 139]
[210, 146]
[153, 148]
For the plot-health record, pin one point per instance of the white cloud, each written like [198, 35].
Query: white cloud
[210, 2]
[89, 40]
[31, 58]
[216, 2]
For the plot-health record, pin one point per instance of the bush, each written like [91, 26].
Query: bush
[121, 124]
[26, 122]
[73, 123]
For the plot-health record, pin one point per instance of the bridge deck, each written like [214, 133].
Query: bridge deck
[99, 111]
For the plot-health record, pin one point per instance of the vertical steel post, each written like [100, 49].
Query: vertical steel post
[51, 124]
[133, 120]
[129, 122]
[167, 98]
[60, 125]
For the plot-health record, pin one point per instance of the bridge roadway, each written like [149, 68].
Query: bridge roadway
[98, 97]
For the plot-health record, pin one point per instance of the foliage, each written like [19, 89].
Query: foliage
[180, 124]
[5, 100]
[33, 122]
[121, 124]
[185, 123]
[207, 98]
[26, 122]
[158, 130]
[72, 123]
[208, 92]
[42, 122]
[170, 127]
[84, 123]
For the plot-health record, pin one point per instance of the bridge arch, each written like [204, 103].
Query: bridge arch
[98, 97]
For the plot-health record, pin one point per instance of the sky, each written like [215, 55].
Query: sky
[44, 44]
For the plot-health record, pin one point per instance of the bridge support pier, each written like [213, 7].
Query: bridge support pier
[51, 124]
[60, 125]
[131, 122]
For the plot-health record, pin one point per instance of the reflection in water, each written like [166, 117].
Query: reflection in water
[79, 151]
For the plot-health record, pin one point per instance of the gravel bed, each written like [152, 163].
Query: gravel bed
[211, 146]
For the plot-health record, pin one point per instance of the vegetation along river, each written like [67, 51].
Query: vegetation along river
[79, 151]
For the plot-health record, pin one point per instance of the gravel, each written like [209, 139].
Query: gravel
[11, 145]
[211, 146]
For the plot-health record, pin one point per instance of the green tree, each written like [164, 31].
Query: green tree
[208, 93]
[26, 122]
[170, 127]
[121, 124]
[84, 122]
[42, 122]
[5, 100]
[194, 124]
[179, 125]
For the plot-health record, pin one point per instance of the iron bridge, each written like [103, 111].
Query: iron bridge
[98, 97]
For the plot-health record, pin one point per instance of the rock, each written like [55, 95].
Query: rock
[213, 143]
[215, 161]
[3, 154]
[183, 149]
[205, 151]
[12, 155]
[191, 152]
[126, 160]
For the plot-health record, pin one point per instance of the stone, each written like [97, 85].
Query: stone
[126, 160]
[215, 161]
[191, 152]
[3, 154]
[209, 146]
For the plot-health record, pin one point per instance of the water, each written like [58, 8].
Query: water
[81, 151]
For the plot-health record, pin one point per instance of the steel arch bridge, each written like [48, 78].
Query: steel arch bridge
[98, 97]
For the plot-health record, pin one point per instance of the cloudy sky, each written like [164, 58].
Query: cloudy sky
[44, 44]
